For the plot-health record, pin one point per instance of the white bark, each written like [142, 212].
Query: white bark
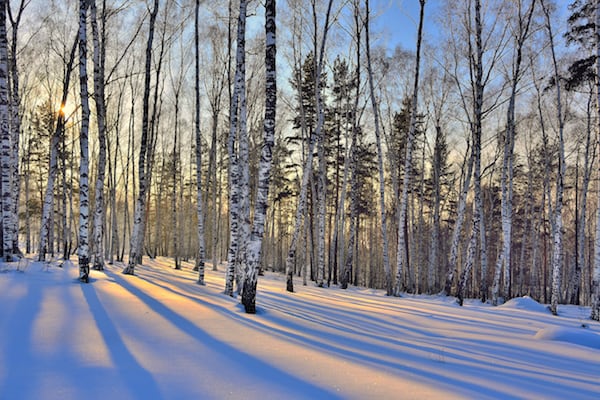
[83, 250]
[386, 259]
[15, 121]
[595, 314]
[504, 258]
[452, 270]
[402, 258]
[253, 251]
[5, 142]
[236, 119]
[48, 205]
[99, 207]
[200, 256]
[137, 235]
[315, 138]
[557, 256]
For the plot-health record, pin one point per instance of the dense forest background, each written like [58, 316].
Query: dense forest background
[466, 164]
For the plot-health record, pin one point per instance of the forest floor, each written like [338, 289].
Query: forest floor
[159, 335]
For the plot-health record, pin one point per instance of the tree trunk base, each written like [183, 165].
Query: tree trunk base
[249, 298]
[129, 270]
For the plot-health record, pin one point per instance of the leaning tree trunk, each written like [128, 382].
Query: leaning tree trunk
[99, 207]
[386, 257]
[253, 256]
[136, 240]
[84, 200]
[402, 258]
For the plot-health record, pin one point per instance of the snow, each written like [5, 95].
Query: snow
[525, 303]
[159, 335]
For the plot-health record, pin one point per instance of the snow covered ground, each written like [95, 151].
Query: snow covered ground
[160, 336]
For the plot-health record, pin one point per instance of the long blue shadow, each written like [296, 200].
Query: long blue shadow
[254, 369]
[307, 336]
[136, 378]
[17, 331]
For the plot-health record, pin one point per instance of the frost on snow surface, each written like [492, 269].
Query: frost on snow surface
[159, 335]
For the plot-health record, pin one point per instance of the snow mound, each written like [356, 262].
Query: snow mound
[580, 336]
[525, 303]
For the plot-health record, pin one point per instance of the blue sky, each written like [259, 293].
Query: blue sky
[399, 19]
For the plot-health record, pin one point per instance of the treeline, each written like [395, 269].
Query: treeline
[465, 165]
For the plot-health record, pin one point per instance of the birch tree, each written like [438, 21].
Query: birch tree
[83, 250]
[15, 118]
[503, 264]
[99, 56]
[386, 258]
[199, 210]
[136, 240]
[55, 141]
[315, 138]
[482, 53]
[595, 314]
[5, 142]
[253, 257]
[237, 117]
[557, 249]
[402, 258]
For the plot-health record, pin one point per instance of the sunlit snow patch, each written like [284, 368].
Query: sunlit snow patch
[580, 336]
[525, 303]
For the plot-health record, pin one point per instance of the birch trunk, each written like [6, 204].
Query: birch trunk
[433, 260]
[504, 259]
[235, 173]
[321, 208]
[137, 235]
[557, 250]
[174, 179]
[315, 138]
[452, 270]
[15, 122]
[386, 258]
[402, 258]
[200, 212]
[253, 257]
[6, 142]
[346, 273]
[99, 207]
[84, 202]
[581, 230]
[48, 205]
[477, 133]
[595, 290]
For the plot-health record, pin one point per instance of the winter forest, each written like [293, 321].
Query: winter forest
[292, 138]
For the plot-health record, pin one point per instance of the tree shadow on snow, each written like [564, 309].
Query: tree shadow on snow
[134, 376]
[254, 369]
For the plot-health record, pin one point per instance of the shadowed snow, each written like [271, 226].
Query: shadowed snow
[159, 335]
